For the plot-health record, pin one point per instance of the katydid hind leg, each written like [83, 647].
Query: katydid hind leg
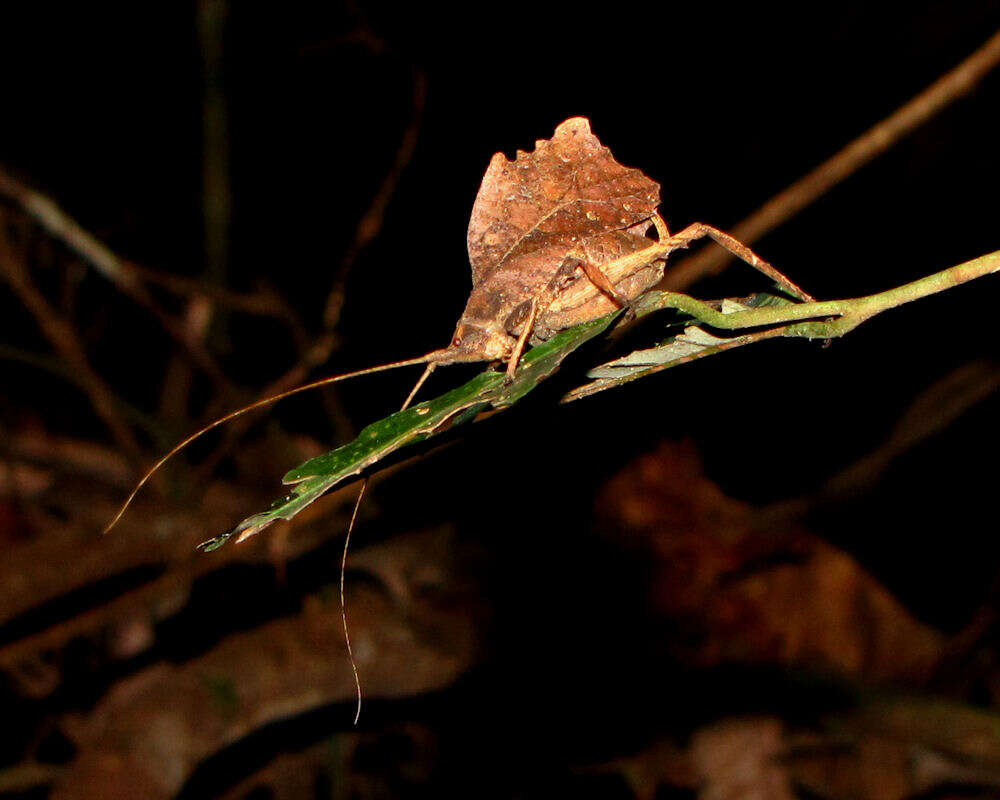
[597, 277]
[699, 230]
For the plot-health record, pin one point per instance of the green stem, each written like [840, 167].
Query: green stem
[932, 284]
[819, 320]
[852, 312]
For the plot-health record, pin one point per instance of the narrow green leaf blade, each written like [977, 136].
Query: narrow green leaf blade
[675, 350]
[320, 474]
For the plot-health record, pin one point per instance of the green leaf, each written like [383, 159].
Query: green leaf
[488, 389]
[675, 350]
[692, 342]
[765, 300]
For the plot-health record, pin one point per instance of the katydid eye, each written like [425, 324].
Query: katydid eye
[456, 342]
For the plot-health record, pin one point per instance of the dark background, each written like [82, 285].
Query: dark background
[103, 111]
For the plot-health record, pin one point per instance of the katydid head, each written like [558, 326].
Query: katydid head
[476, 341]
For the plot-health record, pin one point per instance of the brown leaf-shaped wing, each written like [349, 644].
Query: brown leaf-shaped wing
[568, 190]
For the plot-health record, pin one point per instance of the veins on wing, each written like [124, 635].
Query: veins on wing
[575, 190]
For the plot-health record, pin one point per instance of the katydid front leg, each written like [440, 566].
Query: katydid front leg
[522, 340]
[541, 302]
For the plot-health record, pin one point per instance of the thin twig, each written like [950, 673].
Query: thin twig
[66, 342]
[28, 775]
[817, 320]
[216, 205]
[371, 222]
[786, 204]
[117, 270]
[263, 303]
[367, 230]
[39, 361]
[57, 634]
[932, 411]
[307, 531]
[64, 228]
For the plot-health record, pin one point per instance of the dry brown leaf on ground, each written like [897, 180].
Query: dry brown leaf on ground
[662, 763]
[738, 591]
[739, 759]
[891, 747]
[885, 748]
[351, 763]
[145, 738]
[152, 558]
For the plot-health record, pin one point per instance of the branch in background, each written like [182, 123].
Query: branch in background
[127, 275]
[66, 342]
[785, 205]
[117, 270]
[366, 232]
[64, 455]
[26, 578]
[293, 775]
[27, 581]
[371, 222]
[27, 776]
[135, 543]
[216, 204]
[64, 228]
[266, 302]
[930, 413]
[32, 584]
